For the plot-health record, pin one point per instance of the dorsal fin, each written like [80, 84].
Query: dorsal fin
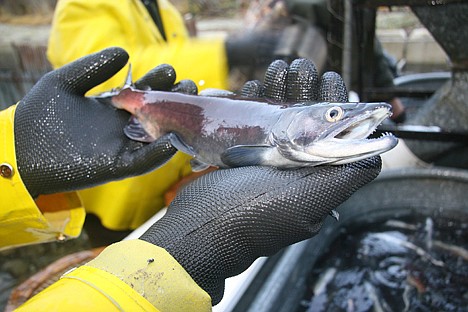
[128, 80]
[128, 83]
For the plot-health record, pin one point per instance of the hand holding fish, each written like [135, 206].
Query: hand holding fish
[303, 125]
[66, 141]
[220, 223]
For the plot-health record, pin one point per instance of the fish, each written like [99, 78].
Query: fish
[231, 131]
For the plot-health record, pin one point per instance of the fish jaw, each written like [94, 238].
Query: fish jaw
[345, 141]
[339, 151]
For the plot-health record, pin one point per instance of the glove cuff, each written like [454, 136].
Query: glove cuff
[152, 271]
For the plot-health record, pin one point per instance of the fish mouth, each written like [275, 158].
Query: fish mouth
[348, 141]
[360, 126]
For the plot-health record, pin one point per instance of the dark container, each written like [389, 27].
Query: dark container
[398, 193]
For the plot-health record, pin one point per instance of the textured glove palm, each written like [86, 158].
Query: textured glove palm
[218, 225]
[65, 141]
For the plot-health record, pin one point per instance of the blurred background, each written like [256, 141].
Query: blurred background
[25, 26]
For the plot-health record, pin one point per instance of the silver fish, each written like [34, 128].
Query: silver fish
[232, 132]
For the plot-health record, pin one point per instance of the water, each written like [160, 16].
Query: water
[401, 265]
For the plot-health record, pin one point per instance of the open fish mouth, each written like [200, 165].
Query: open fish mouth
[348, 140]
[360, 126]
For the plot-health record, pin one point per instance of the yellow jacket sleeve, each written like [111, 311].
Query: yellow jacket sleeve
[127, 276]
[81, 27]
[24, 220]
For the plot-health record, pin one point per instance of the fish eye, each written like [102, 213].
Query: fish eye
[334, 113]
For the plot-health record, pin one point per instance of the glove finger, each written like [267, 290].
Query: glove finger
[332, 88]
[162, 77]
[148, 156]
[252, 89]
[89, 71]
[302, 81]
[185, 86]
[275, 80]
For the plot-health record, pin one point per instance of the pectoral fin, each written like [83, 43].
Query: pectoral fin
[246, 155]
[134, 130]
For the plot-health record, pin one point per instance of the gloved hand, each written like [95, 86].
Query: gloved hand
[65, 141]
[219, 224]
[252, 49]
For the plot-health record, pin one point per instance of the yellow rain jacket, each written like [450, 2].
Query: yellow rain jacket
[24, 220]
[81, 27]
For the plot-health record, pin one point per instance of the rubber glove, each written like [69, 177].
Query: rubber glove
[255, 48]
[220, 223]
[66, 141]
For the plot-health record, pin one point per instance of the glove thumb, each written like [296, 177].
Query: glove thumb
[149, 156]
[89, 71]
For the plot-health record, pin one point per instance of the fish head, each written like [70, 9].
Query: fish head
[335, 133]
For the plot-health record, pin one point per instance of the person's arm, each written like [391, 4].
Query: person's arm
[219, 224]
[56, 140]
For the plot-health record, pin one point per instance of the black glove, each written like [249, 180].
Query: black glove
[252, 49]
[219, 224]
[65, 141]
